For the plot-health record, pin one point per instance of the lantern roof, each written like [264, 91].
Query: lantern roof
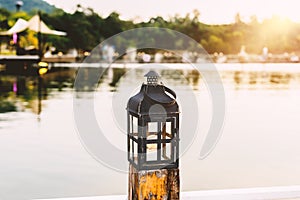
[152, 73]
[152, 94]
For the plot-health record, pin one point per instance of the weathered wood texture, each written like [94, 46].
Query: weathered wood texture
[161, 184]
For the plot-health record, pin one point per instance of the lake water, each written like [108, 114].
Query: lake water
[42, 155]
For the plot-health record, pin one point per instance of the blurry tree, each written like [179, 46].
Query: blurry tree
[86, 29]
[29, 39]
[4, 15]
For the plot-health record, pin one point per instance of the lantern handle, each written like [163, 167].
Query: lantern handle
[170, 91]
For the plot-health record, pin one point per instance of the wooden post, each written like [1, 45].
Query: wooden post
[159, 184]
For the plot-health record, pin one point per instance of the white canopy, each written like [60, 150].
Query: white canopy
[37, 25]
[34, 24]
[19, 26]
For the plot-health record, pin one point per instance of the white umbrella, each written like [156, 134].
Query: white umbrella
[34, 24]
[19, 26]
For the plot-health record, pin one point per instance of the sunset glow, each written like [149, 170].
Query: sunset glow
[212, 11]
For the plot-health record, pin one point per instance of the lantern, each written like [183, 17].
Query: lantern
[153, 126]
[153, 141]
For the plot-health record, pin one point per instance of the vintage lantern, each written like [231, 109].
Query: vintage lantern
[153, 141]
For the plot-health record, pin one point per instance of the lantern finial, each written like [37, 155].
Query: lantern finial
[152, 77]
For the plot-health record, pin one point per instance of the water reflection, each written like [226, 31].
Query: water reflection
[266, 80]
[20, 93]
[50, 152]
[116, 76]
[193, 78]
[88, 78]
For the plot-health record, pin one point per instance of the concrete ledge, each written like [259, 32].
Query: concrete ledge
[263, 193]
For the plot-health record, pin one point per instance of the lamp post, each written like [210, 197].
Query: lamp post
[153, 142]
[39, 34]
[18, 4]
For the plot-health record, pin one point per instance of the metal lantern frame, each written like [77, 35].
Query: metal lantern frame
[153, 134]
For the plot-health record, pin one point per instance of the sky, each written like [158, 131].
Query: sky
[211, 11]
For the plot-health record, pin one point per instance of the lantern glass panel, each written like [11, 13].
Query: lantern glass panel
[135, 152]
[134, 126]
[152, 131]
[130, 150]
[166, 151]
[167, 130]
[151, 154]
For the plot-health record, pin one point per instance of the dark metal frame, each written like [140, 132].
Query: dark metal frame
[140, 138]
[155, 103]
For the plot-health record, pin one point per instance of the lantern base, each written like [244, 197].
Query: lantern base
[160, 184]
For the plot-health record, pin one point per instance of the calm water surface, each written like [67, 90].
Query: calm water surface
[42, 155]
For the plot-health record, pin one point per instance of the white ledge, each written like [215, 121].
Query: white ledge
[263, 193]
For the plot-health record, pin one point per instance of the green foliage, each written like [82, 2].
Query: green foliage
[29, 40]
[16, 15]
[86, 29]
[28, 5]
[4, 14]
